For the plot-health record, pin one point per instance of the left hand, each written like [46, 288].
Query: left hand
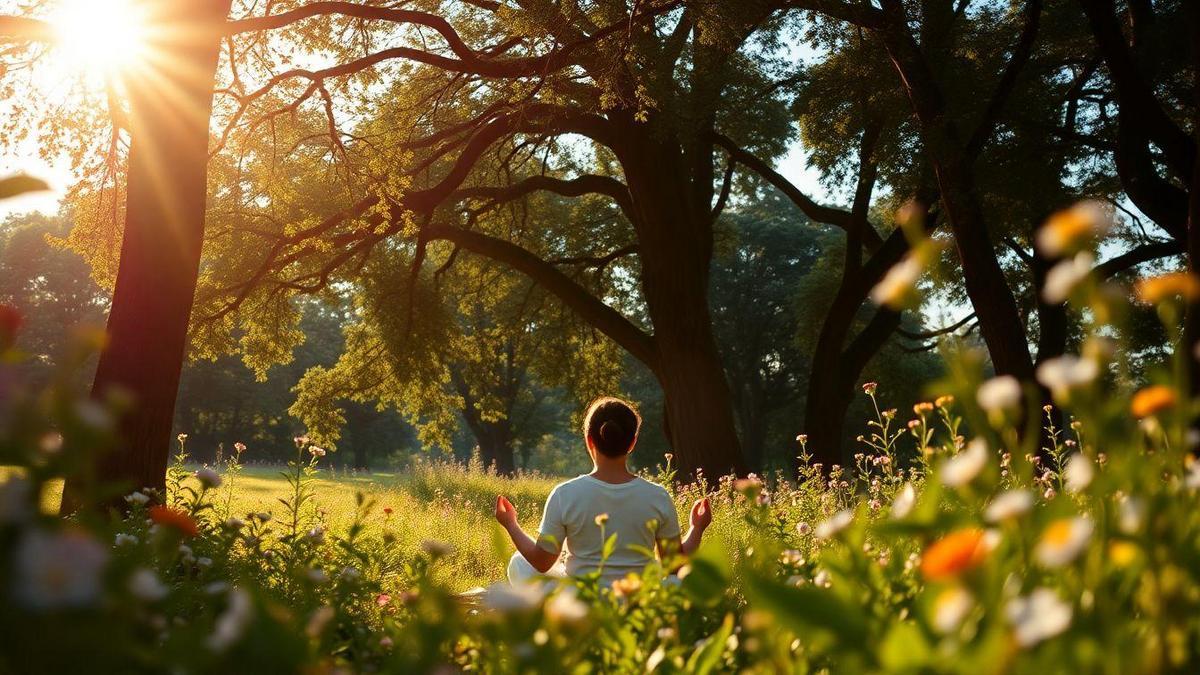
[506, 513]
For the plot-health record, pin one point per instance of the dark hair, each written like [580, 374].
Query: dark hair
[612, 424]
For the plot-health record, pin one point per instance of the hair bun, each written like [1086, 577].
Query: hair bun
[610, 430]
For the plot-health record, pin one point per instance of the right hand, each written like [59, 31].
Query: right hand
[506, 513]
[701, 514]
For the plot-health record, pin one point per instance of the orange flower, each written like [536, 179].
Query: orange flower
[1163, 287]
[1152, 400]
[169, 517]
[955, 553]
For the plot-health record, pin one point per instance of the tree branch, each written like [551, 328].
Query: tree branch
[1008, 80]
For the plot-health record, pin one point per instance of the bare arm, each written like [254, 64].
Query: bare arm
[541, 559]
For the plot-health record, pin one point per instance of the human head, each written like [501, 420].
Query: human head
[611, 426]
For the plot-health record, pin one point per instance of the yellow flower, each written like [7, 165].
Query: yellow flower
[1157, 289]
[627, 586]
[1068, 229]
[601, 519]
[1122, 553]
[950, 608]
[1152, 400]
[944, 401]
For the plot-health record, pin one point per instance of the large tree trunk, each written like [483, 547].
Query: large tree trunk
[170, 100]
[675, 239]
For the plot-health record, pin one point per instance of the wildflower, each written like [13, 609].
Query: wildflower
[601, 519]
[953, 554]
[182, 438]
[627, 586]
[822, 579]
[749, 486]
[436, 549]
[300, 441]
[231, 624]
[1150, 401]
[316, 535]
[1131, 513]
[235, 523]
[136, 497]
[208, 477]
[57, 570]
[902, 505]
[999, 394]
[350, 573]
[950, 608]
[1122, 553]
[1065, 276]
[514, 598]
[802, 438]
[1157, 289]
[1008, 505]
[316, 575]
[1069, 229]
[1065, 373]
[944, 401]
[318, 620]
[962, 468]
[383, 599]
[387, 510]
[385, 642]
[1079, 472]
[175, 519]
[216, 588]
[565, 607]
[869, 388]
[1063, 540]
[791, 557]
[316, 451]
[836, 523]
[264, 516]
[897, 289]
[1192, 481]
[123, 539]
[145, 586]
[1038, 616]
[923, 408]
[803, 528]
[204, 562]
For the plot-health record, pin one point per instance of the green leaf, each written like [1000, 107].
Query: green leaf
[14, 186]
[709, 573]
[804, 608]
[706, 656]
[904, 648]
[610, 545]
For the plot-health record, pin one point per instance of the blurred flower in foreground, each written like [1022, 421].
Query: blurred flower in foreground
[1070, 229]
[566, 607]
[966, 465]
[1062, 279]
[836, 523]
[1040, 615]
[1065, 373]
[903, 503]
[231, 625]
[999, 393]
[1008, 505]
[1063, 541]
[1152, 400]
[144, 585]
[515, 598]
[1079, 472]
[898, 288]
[175, 519]
[954, 553]
[950, 608]
[208, 477]
[1154, 290]
[57, 570]
[627, 586]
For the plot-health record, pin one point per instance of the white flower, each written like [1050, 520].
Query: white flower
[1065, 276]
[1192, 481]
[566, 608]
[822, 579]
[803, 528]
[316, 535]
[1063, 373]
[836, 523]
[216, 588]
[1079, 472]
[231, 625]
[522, 597]
[317, 575]
[966, 465]
[1040, 615]
[145, 586]
[896, 286]
[204, 562]
[1008, 505]
[950, 608]
[1063, 541]
[54, 570]
[350, 573]
[235, 523]
[1000, 393]
[902, 505]
[1131, 514]
[123, 539]
[136, 498]
[316, 451]
[208, 477]
[16, 500]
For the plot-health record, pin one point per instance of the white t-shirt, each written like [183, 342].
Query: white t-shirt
[639, 512]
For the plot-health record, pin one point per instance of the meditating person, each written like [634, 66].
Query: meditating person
[583, 512]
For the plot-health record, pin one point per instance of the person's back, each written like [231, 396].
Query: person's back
[582, 513]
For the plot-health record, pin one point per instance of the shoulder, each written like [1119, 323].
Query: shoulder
[568, 487]
[652, 488]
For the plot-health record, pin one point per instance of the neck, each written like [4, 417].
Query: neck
[610, 469]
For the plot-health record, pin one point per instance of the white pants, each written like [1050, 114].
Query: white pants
[520, 571]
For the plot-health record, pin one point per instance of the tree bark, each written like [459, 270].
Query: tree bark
[170, 100]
